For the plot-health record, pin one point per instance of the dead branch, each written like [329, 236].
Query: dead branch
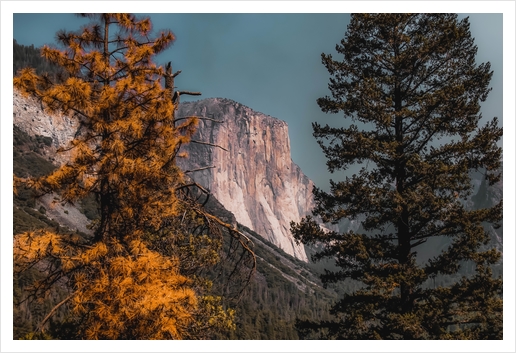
[51, 313]
[230, 227]
[193, 184]
[200, 118]
[209, 144]
[210, 119]
[188, 93]
[177, 94]
[198, 169]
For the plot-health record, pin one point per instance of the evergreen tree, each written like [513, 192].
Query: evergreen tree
[140, 275]
[411, 87]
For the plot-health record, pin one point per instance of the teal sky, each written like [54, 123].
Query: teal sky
[268, 62]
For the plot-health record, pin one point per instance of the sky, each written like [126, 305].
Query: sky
[268, 62]
[265, 55]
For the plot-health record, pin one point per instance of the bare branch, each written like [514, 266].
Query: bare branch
[189, 93]
[193, 184]
[209, 144]
[229, 226]
[201, 118]
[52, 312]
[198, 169]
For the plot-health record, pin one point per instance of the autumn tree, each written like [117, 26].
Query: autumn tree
[409, 90]
[138, 276]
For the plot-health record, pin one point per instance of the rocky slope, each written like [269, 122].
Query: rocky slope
[29, 116]
[57, 131]
[253, 176]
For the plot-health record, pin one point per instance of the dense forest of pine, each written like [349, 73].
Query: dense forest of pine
[29, 56]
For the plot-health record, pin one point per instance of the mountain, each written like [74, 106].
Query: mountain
[253, 177]
[251, 173]
[488, 196]
[282, 290]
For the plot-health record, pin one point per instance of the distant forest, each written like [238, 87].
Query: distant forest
[30, 56]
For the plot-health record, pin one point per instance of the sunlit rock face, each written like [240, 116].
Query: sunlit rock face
[30, 117]
[255, 178]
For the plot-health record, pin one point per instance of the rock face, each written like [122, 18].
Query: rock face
[29, 116]
[255, 178]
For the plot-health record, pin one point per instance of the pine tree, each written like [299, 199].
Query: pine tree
[140, 275]
[411, 90]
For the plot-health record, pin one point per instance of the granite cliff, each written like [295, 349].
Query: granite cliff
[252, 175]
[30, 117]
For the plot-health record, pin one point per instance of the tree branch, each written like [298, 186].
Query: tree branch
[230, 227]
[193, 184]
[190, 93]
[201, 118]
[51, 313]
[209, 144]
[198, 169]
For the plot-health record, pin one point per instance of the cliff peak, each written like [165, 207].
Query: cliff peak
[255, 178]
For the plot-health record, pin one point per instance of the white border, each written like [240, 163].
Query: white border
[505, 7]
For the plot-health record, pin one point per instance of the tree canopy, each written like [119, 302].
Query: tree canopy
[141, 274]
[409, 89]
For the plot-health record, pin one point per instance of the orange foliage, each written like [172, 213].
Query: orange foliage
[125, 154]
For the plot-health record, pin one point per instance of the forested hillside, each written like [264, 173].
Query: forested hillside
[29, 56]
